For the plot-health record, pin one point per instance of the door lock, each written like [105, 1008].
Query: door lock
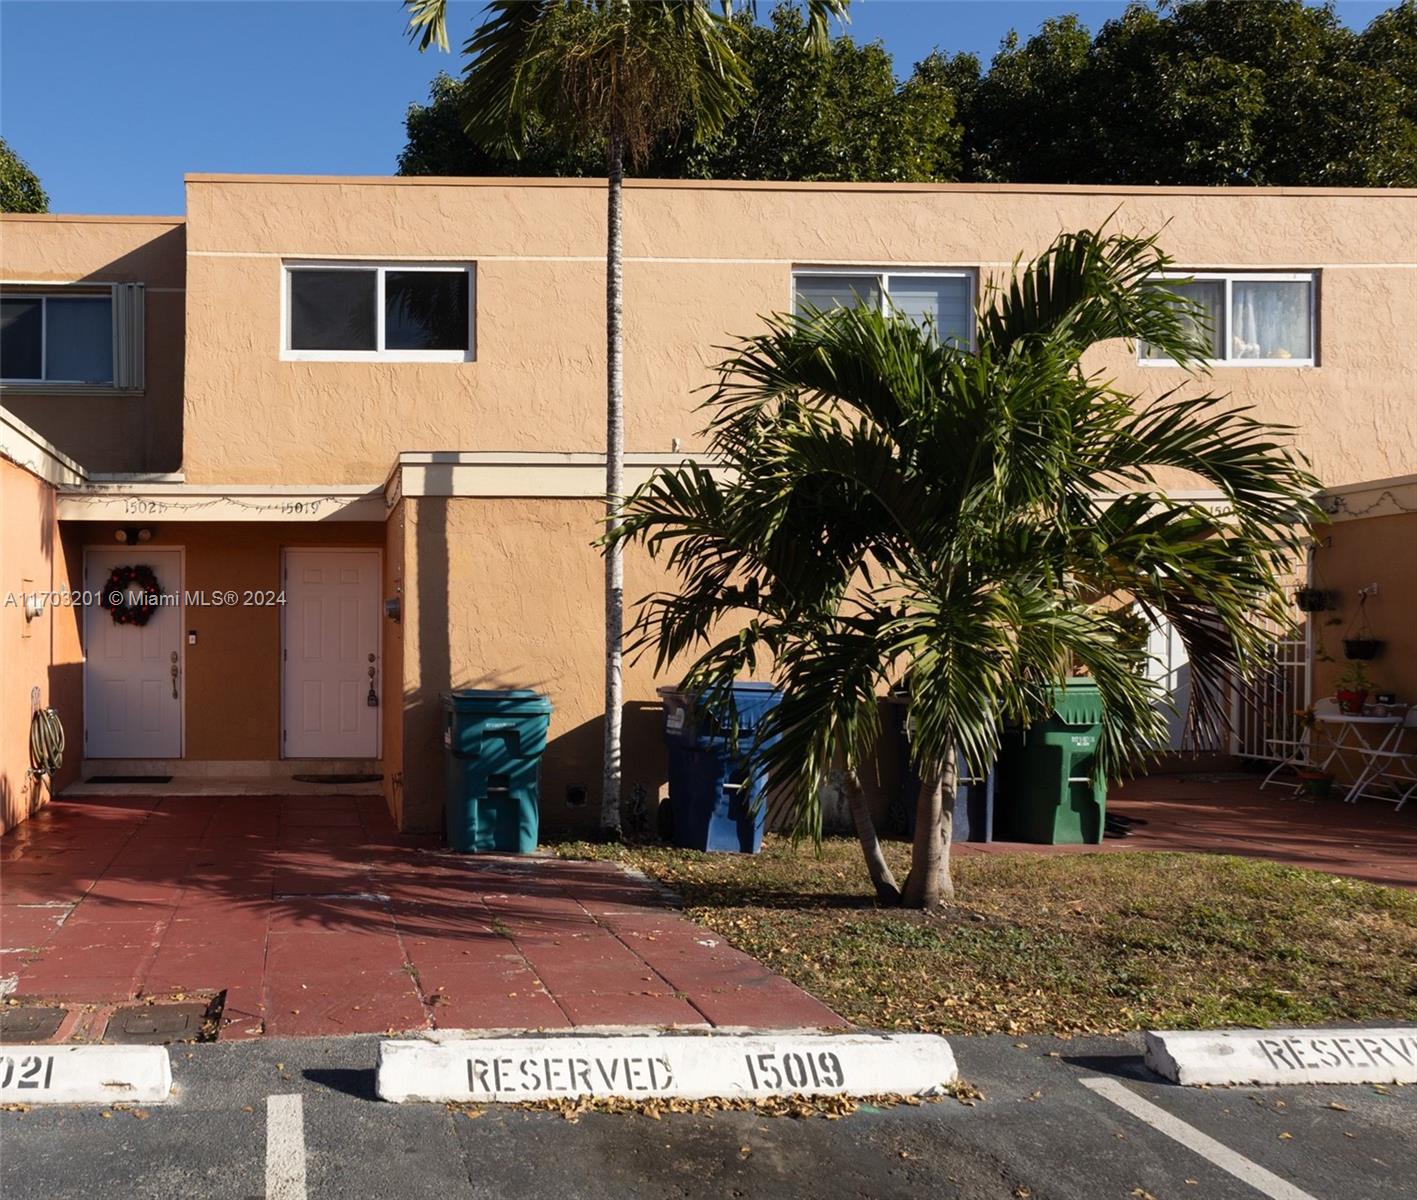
[174, 674]
[372, 700]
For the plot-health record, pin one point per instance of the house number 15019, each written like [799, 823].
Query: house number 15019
[31, 1071]
[794, 1070]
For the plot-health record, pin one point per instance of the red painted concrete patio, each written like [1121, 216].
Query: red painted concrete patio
[315, 916]
[1229, 814]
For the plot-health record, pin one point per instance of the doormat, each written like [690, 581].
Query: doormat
[129, 779]
[338, 778]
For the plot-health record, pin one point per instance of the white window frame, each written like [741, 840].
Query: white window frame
[883, 276]
[1230, 278]
[380, 353]
[18, 383]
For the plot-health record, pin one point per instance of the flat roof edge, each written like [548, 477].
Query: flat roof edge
[94, 218]
[595, 182]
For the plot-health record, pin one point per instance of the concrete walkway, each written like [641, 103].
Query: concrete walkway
[1229, 814]
[315, 916]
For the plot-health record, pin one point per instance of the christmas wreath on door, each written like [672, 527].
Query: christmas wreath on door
[131, 594]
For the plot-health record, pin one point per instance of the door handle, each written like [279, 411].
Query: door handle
[174, 674]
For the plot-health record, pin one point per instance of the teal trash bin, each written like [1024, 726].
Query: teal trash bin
[493, 742]
[1047, 793]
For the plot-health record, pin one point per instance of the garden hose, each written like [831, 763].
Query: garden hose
[46, 743]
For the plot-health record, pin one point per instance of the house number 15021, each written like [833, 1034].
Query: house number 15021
[794, 1070]
[31, 1071]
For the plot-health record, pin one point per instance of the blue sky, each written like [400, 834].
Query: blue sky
[112, 101]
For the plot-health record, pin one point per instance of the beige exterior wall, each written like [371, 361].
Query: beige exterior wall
[43, 654]
[1354, 554]
[507, 594]
[704, 261]
[108, 432]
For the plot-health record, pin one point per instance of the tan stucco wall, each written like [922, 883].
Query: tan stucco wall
[1353, 554]
[509, 593]
[35, 556]
[394, 694]
[703, 262]
[232, 675]
[119, 432]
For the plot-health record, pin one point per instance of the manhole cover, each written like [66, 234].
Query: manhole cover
[156, 1024]
[31, 1023]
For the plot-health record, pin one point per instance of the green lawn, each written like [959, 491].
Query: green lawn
[1062, 944]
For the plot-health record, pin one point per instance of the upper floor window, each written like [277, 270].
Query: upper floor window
[1250, 319]
[353, 312]
[944, 298]
[68, 337]
[56, 339]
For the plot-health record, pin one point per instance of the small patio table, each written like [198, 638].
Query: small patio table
[1355, 734]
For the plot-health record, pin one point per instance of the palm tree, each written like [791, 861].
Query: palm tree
[973, 524]
[622, 73]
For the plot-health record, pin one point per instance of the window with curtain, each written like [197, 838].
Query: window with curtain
[1250, 318]
[943, 301]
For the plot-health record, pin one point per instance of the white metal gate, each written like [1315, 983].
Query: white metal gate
[1269, 715]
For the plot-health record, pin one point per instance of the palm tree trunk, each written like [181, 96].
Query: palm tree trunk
[929, 883]
[614, 485]
[887, 890]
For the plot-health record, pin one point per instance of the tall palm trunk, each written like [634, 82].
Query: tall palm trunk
[929, 882]
[887, 890]
[614, 485]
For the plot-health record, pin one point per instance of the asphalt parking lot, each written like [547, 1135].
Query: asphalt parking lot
[1078, 1120]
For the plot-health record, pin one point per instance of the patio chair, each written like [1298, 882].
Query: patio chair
[1391, 775]
[1297, 752]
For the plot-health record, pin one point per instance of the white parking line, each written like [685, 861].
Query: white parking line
[285, 1148]
[1193, 1139]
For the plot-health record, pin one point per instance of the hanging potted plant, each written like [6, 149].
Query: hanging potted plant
[1359, 644]
[1312, 599]
[1352, 690]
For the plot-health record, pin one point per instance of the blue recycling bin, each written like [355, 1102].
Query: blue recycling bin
[716, 788]
[974, 795]
[493, 742]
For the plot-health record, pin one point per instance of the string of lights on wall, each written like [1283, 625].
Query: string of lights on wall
[1333, 505]
[143, 506]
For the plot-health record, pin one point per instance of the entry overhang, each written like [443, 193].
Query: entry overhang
[172, 499]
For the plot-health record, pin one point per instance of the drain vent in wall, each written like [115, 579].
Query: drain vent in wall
[129, 779]
[338, 778]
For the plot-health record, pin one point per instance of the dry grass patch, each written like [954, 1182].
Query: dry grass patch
[1062, 944]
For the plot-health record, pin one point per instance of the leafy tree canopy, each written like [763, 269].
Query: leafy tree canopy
[1268, 92]
[20, 189]
[841, 115]
[1208, 92]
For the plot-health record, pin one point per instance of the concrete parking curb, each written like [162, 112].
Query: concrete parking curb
[1276, 1056]
[85, 1074]
[640, 1067]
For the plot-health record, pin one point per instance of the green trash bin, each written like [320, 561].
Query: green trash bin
[1046, 791]
[493, 743]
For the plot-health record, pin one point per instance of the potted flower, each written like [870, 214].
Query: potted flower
[1352, 690]
[1314, 783]
[1311, 599]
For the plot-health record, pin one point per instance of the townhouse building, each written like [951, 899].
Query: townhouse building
[355, 426]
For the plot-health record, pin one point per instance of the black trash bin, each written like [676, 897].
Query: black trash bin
[716, 788]
[974, 793]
